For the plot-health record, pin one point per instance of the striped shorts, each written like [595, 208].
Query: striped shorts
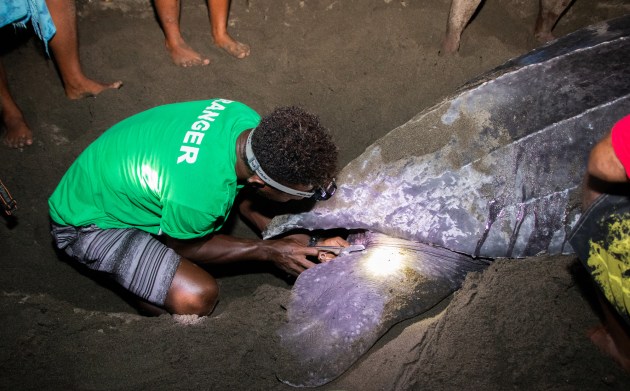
[133, 258]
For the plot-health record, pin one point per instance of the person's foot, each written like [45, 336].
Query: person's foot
[601, 338]
[543, 36]
[86, 88]
[18, 134]
[233, 47]
[184, 56]
[450, 44]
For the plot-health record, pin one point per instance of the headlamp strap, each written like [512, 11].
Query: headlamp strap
[255, 166]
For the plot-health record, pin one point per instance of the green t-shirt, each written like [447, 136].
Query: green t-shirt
[170, 169]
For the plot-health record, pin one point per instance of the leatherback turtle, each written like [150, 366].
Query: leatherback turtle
[506, 183]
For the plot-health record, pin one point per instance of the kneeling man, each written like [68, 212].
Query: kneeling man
[143, 203]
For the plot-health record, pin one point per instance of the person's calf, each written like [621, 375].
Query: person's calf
[612, 337]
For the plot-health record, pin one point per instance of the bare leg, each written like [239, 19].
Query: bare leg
[192, 292]
[65, 48]
[182, 54]
[459, 16]
[606, 334]
[612, 337]
[548, 14]
[218, 20]
[18, 134]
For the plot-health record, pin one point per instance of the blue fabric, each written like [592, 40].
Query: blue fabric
[19, 12]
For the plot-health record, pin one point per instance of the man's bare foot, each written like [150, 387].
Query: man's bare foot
[184, 56]
[544, 36]
[450, 44]
[233, 47]
[18, 134]
[86, 88]
[601, 338]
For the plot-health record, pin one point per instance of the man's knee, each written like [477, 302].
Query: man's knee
[192, 292]
[198, 301]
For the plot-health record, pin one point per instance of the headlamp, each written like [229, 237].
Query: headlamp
[317, 194]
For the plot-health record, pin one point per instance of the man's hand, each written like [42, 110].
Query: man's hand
[289, 254]
[292, 252]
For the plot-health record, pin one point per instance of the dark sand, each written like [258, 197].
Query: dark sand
[365, 67]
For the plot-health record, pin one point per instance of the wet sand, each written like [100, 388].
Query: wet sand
[365, 67]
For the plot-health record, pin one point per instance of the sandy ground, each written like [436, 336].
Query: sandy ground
[366, 67]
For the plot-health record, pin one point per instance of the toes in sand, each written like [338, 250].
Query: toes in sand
[544, 36]
[450, 45]
[234, 48]
[183, 56]
[89, 88]
[18, 134]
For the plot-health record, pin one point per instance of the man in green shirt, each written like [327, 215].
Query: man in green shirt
[144, 201]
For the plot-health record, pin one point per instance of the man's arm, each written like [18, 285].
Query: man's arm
[604, 164]
[257, 218]
[289, 254]
[607, 162]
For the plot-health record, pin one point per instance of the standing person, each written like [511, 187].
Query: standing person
[55, 23]
[602, 239]
[168, 12]
[17, 133]
[65, 50]
[145, 201]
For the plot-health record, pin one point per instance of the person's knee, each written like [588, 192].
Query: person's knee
[199, 299]
[192, 292]
[204, 300]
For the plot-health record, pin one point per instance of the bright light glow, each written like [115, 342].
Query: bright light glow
[150, 178]
[383, 262]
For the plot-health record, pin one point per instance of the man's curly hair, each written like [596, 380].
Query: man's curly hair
[293, 147]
